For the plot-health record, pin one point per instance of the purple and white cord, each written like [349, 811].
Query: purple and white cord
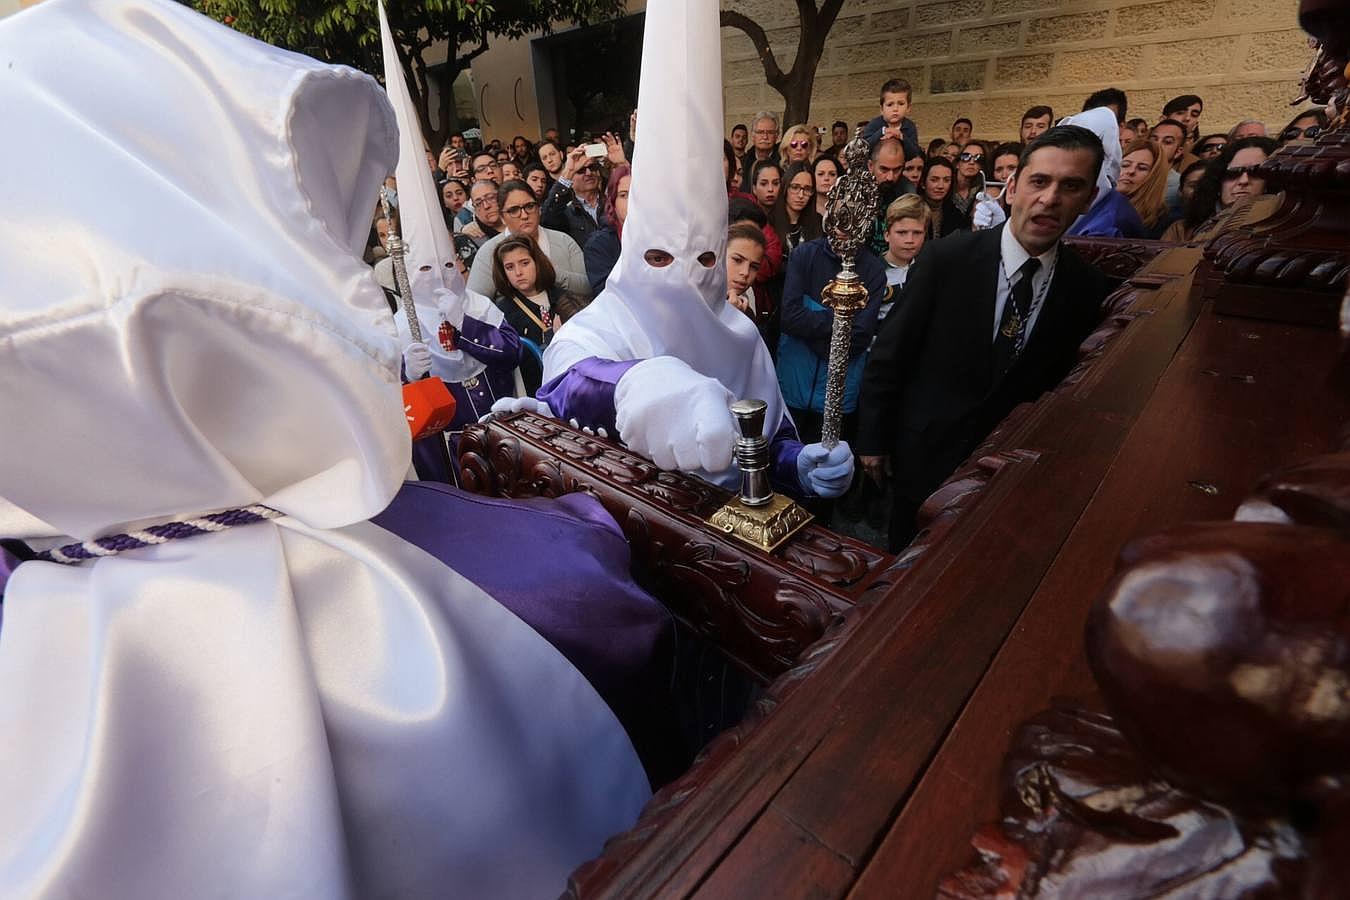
[113, 544]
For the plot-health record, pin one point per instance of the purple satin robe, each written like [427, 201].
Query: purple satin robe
[585, 394]
[562, 566]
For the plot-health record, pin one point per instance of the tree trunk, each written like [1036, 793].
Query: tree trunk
[796, 85]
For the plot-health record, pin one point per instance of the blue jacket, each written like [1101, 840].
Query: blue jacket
[804, 346]
[1112, 217]
[872, 134]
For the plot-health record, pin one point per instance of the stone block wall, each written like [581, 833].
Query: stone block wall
[991, 59]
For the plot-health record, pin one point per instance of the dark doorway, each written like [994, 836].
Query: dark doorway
[587, 78]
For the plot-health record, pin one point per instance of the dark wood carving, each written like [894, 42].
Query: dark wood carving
[762, 609]
[1118, 259]
[1223, 652]
[1289, 260]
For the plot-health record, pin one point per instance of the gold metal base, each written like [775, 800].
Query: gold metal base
[765, 527]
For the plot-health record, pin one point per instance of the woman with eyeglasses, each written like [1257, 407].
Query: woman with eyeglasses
[520, 215]
[602, 248]
[1307, 125]
[826, 172]
[793, 214]
[525, 289]
[1231, 177]
[798, 145]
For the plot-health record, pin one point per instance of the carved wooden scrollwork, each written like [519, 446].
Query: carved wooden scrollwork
[1118, 259]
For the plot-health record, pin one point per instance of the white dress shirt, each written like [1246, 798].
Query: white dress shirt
[1014, 255]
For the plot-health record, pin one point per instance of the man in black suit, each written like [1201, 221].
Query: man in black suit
[987, 320]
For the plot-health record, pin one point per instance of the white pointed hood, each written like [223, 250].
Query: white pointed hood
[1101, 121]
[304, 707]
[430, 253]
[677, 203]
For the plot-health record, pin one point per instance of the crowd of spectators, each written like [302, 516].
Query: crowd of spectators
[539, 224]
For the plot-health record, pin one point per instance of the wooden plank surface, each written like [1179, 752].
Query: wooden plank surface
[1242, 398]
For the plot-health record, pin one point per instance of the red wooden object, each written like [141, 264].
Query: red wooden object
[429, 407]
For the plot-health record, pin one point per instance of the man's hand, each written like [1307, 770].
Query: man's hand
[878, 468]
[575, 160]
[444, 161]
[740, 302]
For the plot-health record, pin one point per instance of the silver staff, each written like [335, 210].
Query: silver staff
[396, 250]
[850, 212]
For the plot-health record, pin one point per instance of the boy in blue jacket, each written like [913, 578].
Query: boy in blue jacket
[896, 96]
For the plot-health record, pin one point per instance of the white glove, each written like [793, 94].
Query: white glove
[825, 473]
[674, 416]
[450, 307]
[988, 212]
[519, 404]
[416, 360]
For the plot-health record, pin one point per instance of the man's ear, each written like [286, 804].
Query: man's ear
[1011, 189]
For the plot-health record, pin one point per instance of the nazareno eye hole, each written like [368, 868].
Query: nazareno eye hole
[424, 268]
[707, 260]
[658, 259]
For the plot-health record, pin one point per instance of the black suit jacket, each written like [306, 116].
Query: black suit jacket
[929, 395]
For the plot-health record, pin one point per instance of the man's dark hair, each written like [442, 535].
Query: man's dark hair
[473, 160]
[1038, 112]
[897, 86]
[741, 209]
[967, 121]
[1067, 137]
[887, 141]
[1109, 97]
[1170, 123]
[935, 146]
[1135, 123]
[740, 126]
[747, 231]
[1181, 104]
[839, 124]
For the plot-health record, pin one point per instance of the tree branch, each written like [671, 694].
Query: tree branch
[772, 72]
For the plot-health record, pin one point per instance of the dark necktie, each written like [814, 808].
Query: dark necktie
[1012, 328]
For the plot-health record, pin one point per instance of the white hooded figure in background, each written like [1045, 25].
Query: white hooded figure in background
[307, 706]
[1110, 214]
[660, 354]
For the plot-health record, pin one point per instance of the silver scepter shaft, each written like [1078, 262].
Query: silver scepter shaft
[396, 251]
[850, 212]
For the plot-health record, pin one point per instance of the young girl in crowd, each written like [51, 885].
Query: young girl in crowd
[526, 291]
[794, 214]
[1143, 181]
[766, 181]
[745, 253]
[944, 217]
[827, 171]
[454, 194]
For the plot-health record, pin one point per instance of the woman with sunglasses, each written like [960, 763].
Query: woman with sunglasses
[1210, 146]
[970, 176]
[1307, 126]
[520, 216]
[1231, 177]
[798, 145]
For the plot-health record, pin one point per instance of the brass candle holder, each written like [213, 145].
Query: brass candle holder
[758, 516]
